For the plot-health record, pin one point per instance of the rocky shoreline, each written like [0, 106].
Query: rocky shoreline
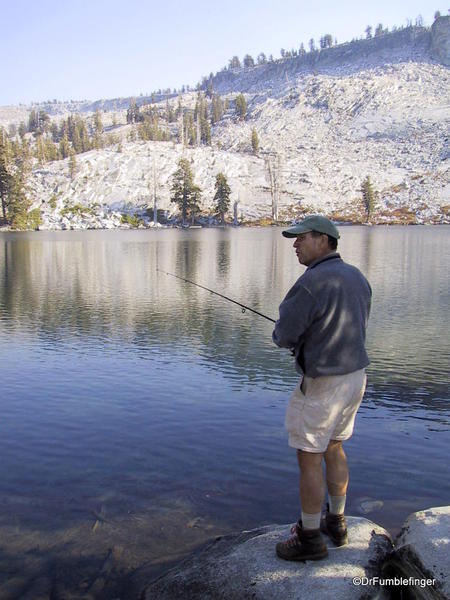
[244, 566]
[115, 221]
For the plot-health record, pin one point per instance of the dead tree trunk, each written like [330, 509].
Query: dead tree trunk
[199, 131]
[235, 212]
[273, 166]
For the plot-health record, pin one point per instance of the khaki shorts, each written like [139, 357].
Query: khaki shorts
[323, 409]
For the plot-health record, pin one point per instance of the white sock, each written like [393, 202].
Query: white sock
[310, 521]
[337, 504]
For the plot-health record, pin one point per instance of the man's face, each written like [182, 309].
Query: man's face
[309, 248]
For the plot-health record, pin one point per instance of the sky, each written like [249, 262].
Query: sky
[76, 50]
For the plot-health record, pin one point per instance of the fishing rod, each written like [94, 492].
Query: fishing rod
[243, 306]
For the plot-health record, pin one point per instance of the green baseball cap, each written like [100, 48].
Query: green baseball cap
[313, 223]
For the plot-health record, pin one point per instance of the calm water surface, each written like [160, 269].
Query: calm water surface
[142, 416]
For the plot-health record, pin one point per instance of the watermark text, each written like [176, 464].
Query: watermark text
[393, 581]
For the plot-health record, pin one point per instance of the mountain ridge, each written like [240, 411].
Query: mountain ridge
[401, 45]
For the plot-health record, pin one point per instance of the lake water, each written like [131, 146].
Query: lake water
[142, 416]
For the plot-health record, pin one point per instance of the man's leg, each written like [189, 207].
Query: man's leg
[334, 524]
[307, 542]
[312, 487]
[337, 476]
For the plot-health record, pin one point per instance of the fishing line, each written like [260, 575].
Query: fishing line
[243, 306]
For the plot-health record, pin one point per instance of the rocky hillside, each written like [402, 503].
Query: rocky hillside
[325, 121]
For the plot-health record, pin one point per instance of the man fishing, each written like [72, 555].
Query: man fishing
[323, 319]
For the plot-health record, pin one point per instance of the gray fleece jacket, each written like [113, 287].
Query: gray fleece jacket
[324, 316]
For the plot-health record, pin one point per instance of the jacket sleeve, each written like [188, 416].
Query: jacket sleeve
[296, 315]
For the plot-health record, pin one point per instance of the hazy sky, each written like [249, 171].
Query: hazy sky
[105, 48]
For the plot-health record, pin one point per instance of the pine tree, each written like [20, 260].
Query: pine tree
[190, 134]
[201, 118]
[209, 87]
[179, 109]
[32, 121]
[5, 174]
[198, 106]
[44, 121]
[70, 127]
[76, 140]
[51, 150]
[54, 131]
[64, 147]
[248, 61]
[85, 141]
[64, 130]
[38, 121]
[22, 129]
[235, 63]
[98, 124]
[222, 196]
[216, 109]
[327, 40]
[241, 107]
[195, 204]
[72, 164]
[368, 193]
[205, 131]
[133, 113]
[21, 154]
[97, 141]
[379, 30]
[17, 203]
[171, 114]
[255, 141]
[261, 59]
[184, 192]
[40, 150]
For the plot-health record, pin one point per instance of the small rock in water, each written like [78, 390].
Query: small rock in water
[95, 526]
[368, 506]
[194, 522]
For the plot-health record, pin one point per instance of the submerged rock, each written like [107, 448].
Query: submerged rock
[368, 506]
[245, 565]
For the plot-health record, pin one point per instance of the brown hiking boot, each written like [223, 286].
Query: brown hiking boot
[335, 527]
[305, 544]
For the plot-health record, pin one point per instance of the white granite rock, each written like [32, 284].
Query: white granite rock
[423, 546]
[245, 566]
